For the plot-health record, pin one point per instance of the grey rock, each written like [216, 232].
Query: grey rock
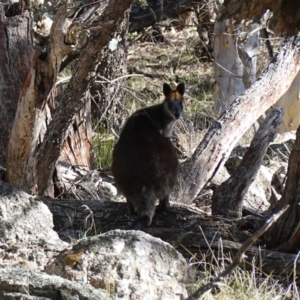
[132, 264]
[26, 232]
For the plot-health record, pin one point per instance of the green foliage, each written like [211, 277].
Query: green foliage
[103, 145]
[143, 3]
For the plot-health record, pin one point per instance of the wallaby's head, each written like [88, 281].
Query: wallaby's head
[173, 104]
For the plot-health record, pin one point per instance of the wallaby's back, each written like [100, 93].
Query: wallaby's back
[145, 163]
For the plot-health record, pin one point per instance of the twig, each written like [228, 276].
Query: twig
[105, 80]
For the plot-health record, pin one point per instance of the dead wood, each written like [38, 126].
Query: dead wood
[15, 62]
[285, 235]
[55, 136]
[227, 199]
[225, 132]
[180, 226]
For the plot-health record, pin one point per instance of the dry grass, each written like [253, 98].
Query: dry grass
[249, 283]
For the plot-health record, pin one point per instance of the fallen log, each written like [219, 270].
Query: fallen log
[189, 230]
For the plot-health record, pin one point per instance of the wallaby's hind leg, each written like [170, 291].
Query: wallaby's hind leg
[163, 204]
[145, 209]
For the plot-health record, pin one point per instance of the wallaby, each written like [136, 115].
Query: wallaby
[145, 163]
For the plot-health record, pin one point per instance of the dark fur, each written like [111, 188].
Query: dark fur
[145, 163]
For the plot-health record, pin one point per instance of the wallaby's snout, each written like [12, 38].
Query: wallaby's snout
[175, 108]
[174, 100]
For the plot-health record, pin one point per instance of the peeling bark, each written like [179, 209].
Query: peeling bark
[78, 149]
[32, 115]
[49, 151]
[235, 55]
[16, 48]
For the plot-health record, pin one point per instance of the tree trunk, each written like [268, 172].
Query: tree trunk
[35, 107]
[73, 100]
[107, 91]
[78, 147]
[224, 133]
[227, 199]
[290, 101]
[235, 56]
[16, 48]
[285, 235]
[32, 156]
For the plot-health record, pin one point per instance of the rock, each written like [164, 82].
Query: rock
[259, 192]
[221, 176]
[26, 232]
[259, 196]
[23, 283]
[133, 264]
[122, 264]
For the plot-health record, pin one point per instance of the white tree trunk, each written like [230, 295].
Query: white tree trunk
[290, 101]
[235, 57]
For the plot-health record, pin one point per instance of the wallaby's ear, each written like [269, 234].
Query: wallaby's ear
[167, 89]
[180, 88]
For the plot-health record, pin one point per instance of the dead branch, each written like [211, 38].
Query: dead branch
[224, 133]
[227, 199]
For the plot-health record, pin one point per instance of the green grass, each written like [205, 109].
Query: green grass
[103, 147]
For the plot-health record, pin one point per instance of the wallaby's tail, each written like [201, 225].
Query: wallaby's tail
[145, 206]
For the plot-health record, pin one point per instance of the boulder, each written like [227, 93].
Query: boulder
[26, 229]
[131, 264]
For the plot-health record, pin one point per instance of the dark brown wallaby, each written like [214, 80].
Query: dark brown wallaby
[145, 163]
